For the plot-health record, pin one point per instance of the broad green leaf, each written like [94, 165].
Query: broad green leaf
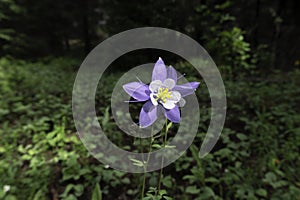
[261, 192]
[192, 190]
[97, 194]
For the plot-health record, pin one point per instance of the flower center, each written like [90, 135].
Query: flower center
[163, 94]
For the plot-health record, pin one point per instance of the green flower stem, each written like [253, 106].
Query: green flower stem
[143, 187]
[146, 165]
[162, 159]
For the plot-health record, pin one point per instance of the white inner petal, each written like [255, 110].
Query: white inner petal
[153, 100]
[175, 97]
[169, 83]
[182, 102]
[168, 104]
[155, 85]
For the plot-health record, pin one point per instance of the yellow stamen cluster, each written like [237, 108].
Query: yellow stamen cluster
[163, 94]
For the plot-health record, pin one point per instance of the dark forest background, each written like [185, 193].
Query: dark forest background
[32, 29]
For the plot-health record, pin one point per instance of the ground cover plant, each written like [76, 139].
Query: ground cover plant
[257, 156]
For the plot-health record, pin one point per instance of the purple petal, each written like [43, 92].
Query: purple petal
[187, 88]
[171, 73]
[148, 114]
[159, 71]
[139, 91]
[173, 115]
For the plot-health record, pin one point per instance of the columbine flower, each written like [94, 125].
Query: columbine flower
[161, 94]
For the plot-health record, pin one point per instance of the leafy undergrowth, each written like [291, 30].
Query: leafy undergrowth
[257, 156]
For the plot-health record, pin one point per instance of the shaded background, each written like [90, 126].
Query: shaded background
[31, 29]
[255, 44]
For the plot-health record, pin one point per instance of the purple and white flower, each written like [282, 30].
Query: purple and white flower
[162, 93]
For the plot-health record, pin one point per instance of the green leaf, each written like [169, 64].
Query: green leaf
[71, 197]
[5, 37]
[212, 180]
[167, 181]
[67, 190]
[105, 118]
[125, 180]
[10, 197]
[207, 193]
[162, 192]
[2, 150]
[169, 125]
[137, 162]
[270, 177]
[156, 146]
[78, 190]
[192, 190]
[39, 195]
[262, 192]
[241, 136]
[170, 146]
[195, 155]
[97, 194]
[279, 184]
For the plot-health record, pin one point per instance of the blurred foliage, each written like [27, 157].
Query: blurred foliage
[257, 156]
[75, 27]
[54, 27]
